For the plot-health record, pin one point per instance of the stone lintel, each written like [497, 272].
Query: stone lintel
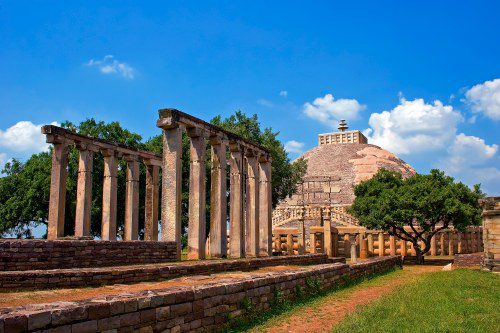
[153, 162]
[80, 145]
[131, 158]
[195, 132]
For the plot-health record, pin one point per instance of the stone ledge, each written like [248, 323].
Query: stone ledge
[203, 307]
[87, 277]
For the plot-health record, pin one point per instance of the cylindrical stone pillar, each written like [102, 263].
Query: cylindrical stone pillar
[381, 244]
[151, 202]
[392, 245]
[265, 207]
[301, 237]
[433, 246]
[363, 244]
[109, 191]
[312, 242]
[252, 234]
[237, 203]
[441, 244]
[197, 187]
[327, 231]
[370, 244]
[83, 191]
[57, 202]
[403, 247]
[218, 200]
[354, 255]
[289, 244]
[451, 242]
[131, 229]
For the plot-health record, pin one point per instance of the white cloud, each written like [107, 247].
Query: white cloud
[23, 138]
[328, 110]
[109, 65]
[284, 93]
[485, 98]
[294, 147]
[265, 102]
[414, 127]
[3, 160]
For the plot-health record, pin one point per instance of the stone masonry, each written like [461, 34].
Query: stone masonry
[491, 233]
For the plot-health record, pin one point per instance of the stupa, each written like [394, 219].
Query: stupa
[340, 161]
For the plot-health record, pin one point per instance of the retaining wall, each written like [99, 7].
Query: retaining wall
[86, 277]
[204, 307]
[18, 255]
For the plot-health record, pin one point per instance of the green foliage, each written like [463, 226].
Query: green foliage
[278, 297]
[461, 300]
[425, 203]
[299, 291]
[246, 304]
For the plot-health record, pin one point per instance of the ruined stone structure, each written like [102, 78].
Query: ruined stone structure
[250, 188]
[339, 162]
[491, 235]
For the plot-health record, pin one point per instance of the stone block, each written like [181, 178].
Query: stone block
[84, 327]
[38, 320]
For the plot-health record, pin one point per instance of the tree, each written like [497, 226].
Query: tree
[24, 191]
[416, 208]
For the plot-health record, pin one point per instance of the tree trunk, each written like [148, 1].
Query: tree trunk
[420, 255]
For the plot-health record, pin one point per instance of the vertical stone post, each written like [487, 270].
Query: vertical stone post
[252, 234]
[403, 248]
[289, 244]
[58, 176]
[459, 242]
[237, 203]
[84, 190]
[301, 237]
[347, 245]
[392, 245]
[491, 233]
[218, 200]
[312, 242]
[354, 255]
[196, 210]
[265, 207]
[152, 201]
[171, 196]
[335, 239]
[433, 245]
[381, 244]
[370, 244]
[363, 244]
[109, 191]
[451, 242]
[132, 198]
[327, 231]
[441, 244]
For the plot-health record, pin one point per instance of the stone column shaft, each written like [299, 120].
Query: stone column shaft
[132, 199]
[441, 244]
[381, 244]
[84, 192]
[327, 231]
[57, 203]
[172, 187]
[301, 237]
[354, 255]
[265, 209]
[403, 248]
[392, 245]
[433, 246]
[151, 204]
[237, 204]
[197, 187]
[370, 244]
[451, 242]
[218, 200]
[109, 192]
[252, 234]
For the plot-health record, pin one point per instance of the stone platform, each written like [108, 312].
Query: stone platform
[204, 304]
[86, 277]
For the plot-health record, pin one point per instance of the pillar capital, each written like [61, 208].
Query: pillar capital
[131, 158]
[110, 152]
[80, 145]
[169, 119]
[195, 132]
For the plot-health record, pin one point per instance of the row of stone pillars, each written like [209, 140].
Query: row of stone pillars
[250, 230]
[87, 147]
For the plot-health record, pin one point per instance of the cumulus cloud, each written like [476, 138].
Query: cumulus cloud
[265, 102]
[294, 147]
[284, 93]
[414, 127]
[328, 110]
[24, 137]
[109, 65]
[485, 98]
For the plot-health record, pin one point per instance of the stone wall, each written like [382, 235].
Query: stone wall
[181, 309]
[87, 277]
[467, 260]
[491, 235]
[16, 255]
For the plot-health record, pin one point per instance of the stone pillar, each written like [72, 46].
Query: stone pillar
[335, 240]
[312, 242]
[441, 245]
[327, 231]
[451, 241]
[433, 245]
[152, 201]
[83, 190]
[265, 207]
[236, 201]
[459, 241]
[363, 244]
[381, 244]
[197, 195]
[132, 199]
[491, 233]
[218, 201]
[252, 234]
[109, 191]
[171, 196]
[289, 244]
[392, 245]
[57, 203]
[370, 244]
[301, 237]
[403, 248]
[354, 255]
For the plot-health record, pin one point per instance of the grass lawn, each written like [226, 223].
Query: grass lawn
[461, 300]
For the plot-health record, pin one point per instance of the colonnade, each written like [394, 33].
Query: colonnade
[62, 139]
[250, 228]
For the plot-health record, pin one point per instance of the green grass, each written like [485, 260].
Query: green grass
[448, 301]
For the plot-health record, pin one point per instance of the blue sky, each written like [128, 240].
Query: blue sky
[422, 79]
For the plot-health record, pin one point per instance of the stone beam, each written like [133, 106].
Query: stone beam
[109, 191]
[237, 203]
[132, 198]
[197, 188]
[151, 204]
[84, 189]
[218, 201]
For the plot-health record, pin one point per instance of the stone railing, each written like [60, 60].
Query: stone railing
[284, 215]
[62, 139]
[250, 189]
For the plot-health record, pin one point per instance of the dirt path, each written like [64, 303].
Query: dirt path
[323, 315]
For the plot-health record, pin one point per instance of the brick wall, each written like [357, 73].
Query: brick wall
[468, 260]
[18, 255]
[203, 307]
[86, 277]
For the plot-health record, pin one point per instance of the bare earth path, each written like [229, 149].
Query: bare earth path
[325, 313]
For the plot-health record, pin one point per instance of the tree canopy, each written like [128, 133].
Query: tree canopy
[24, 191]
[416, 208]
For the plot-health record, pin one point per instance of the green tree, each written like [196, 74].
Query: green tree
[416, 208]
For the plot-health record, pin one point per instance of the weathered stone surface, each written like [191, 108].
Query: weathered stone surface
[84, 192]
[132, 199]
[252, 202]
[218, 201]
[236, 209]
[109, 189]
[151, 204]
[57, 201]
